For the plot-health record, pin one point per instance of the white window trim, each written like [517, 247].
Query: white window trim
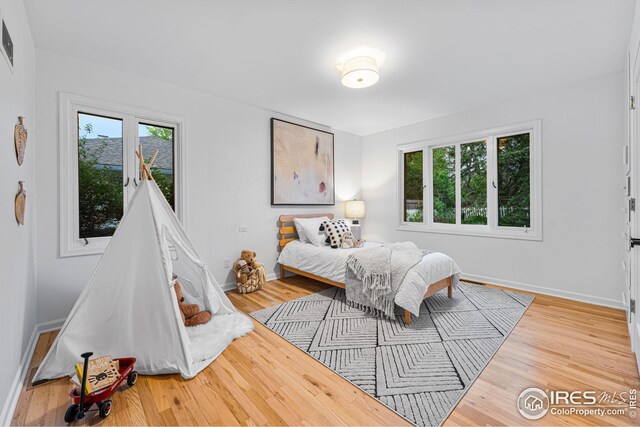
[69, 104]
[491, 229]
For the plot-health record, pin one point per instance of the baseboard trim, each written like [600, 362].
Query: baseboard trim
[574, 296]
[16, 386]
[228, 286]
[10, 404]
[51, 325]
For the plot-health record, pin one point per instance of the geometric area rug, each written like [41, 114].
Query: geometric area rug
[420, 371]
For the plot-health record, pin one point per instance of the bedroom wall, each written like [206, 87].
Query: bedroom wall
[582, 138]
[17, 261]
[227, 172]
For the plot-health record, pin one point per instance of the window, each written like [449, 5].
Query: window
[444, 184]
[413, 186]
[100, 191]
[486, 183]
[153, 137]
[473, 183]
[99, 168]
[513, 181]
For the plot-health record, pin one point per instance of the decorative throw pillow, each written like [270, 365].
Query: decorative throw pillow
[311, 229]
[334, 231]
[301, 234]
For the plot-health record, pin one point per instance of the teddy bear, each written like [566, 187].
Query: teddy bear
[250, 258]
[348, 241]
[242, 270]
[249, 272]
[191, 313]
[245, 261]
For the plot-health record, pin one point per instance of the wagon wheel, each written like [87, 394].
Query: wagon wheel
[132, 378]
[105, 409]
[72, 413]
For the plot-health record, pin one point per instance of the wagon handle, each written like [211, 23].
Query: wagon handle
[86, 357]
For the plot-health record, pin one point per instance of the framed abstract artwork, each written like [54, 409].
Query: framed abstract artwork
[302, 165]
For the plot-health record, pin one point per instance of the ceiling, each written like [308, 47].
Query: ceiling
[441, 56]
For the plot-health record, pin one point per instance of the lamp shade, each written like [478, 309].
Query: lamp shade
[354, 209]
[360, 72]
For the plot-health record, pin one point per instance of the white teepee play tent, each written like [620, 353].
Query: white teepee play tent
[129, 307]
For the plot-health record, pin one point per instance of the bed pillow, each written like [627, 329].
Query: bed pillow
[301, 234]
[334, 231]
[311, 229]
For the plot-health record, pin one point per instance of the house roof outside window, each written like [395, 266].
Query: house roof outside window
[111, 155]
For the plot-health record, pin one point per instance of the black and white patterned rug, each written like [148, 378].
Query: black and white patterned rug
[421, 371]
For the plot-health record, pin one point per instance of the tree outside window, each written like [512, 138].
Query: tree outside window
[413, 187]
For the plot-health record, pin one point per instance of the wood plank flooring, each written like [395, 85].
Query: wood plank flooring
[261, 379]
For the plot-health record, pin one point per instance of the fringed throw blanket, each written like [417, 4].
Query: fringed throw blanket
[374, 275]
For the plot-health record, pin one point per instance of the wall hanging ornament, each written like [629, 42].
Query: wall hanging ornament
[21, 200]
[20, 138]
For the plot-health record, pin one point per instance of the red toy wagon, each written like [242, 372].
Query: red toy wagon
[82, 403]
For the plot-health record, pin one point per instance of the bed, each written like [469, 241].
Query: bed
[435, 272]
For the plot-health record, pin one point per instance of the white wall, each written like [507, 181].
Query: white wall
[582, 139]
[17, 261]
[227, 172]
[634, 39]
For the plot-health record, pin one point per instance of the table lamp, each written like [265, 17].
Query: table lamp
[354, 209]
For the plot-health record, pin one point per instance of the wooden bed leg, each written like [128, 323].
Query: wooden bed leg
[450, 291]
[282, 273]
[407, 317]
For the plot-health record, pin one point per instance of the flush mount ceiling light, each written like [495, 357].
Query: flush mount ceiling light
[359, 67]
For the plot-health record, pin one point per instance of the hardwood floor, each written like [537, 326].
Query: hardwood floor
[261, 379]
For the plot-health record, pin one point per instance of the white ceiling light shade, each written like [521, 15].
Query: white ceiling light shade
[360, 72]
[360, 67]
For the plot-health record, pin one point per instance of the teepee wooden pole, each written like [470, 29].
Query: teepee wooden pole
[140, 167]
[148, 172]
[143, 169]
[150, 165]
[153, 159]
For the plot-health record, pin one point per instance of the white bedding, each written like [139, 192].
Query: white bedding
[332, 263]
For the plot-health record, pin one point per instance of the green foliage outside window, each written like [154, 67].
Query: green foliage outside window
[165, 183]
[473, 182]
[160, 132]
[513, 181]
[444, 184]
[513, 184]
[100, 191]
[413, 187]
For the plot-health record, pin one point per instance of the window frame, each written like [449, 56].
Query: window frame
[70, 244]
[401, 177]
[491, 229]
[164, 124]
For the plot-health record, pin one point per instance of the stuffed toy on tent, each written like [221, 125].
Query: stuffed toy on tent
[129, 307]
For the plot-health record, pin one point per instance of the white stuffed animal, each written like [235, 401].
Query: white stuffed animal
[348, 241]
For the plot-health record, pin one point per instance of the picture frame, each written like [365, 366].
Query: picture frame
[6, 42]
[302, 165]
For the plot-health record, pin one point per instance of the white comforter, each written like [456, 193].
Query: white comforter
[332, 263]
